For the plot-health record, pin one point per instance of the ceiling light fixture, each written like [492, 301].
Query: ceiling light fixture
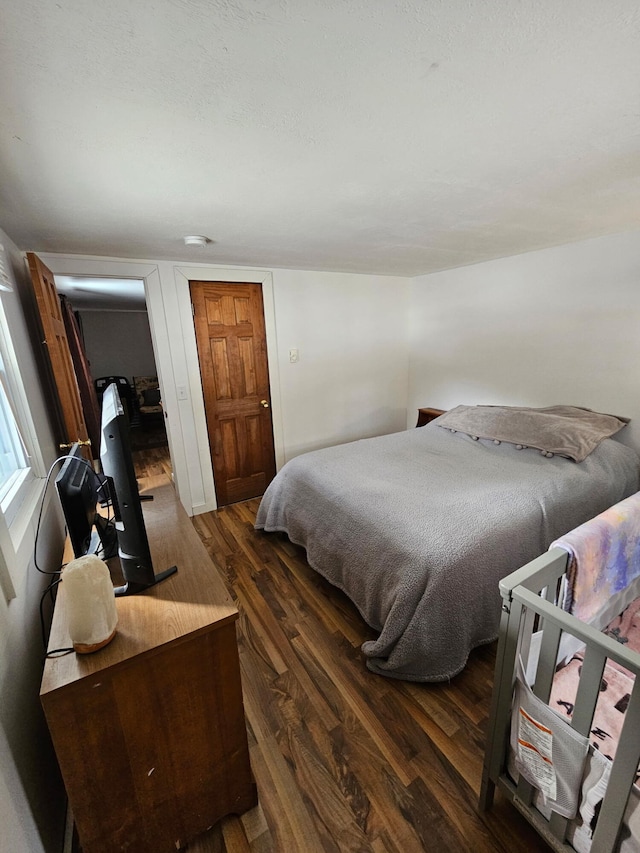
[196, 240]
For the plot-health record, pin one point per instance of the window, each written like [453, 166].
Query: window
[15, 468]
[20, 463]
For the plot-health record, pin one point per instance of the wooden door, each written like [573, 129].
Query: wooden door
[232, 351]
[57, 345]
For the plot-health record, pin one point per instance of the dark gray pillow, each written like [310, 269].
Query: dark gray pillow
[563, 430]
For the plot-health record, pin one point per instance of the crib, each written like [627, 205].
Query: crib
[537, 636]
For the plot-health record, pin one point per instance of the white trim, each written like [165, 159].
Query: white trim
[14, 492]
[100, 267]
[183, 275]
[19, 400]
[21, 498]
[26, 517]
[17, 541]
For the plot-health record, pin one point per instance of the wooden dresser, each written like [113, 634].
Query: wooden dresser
[150, 731]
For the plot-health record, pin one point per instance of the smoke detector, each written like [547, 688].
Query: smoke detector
[196, 240]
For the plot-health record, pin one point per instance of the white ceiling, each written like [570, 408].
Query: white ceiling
[102, 294]
[387, 136]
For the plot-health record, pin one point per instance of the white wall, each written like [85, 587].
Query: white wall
[118, 343]
[351, 378]
[559, 325]
[32, 798]
[16, 820]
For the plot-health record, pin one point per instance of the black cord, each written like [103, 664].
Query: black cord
[110, 523]
[49, 591]
[58, 653]
[52, 585]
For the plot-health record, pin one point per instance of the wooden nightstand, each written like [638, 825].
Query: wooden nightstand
[425, 416]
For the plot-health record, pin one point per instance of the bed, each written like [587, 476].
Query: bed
[566, 667]
[418, 527]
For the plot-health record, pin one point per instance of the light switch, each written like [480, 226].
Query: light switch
[294, 356]
[182, 392]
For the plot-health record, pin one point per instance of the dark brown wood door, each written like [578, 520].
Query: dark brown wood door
[232, 351]
[57, 345]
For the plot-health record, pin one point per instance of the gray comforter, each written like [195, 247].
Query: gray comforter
[418, 527]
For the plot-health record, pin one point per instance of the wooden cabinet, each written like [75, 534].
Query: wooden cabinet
[150, 731]
[427, 415]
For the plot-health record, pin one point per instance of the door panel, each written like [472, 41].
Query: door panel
[232, 351]
[57, 345]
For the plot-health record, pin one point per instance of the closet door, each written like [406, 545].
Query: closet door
[232, 352]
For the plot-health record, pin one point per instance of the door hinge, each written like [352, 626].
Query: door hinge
[193, 310]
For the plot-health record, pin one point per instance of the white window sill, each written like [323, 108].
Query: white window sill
[14, 494]
[17, 540]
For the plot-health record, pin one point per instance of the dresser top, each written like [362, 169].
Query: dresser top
[194, 600]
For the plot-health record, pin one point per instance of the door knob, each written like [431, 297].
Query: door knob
[264, 404]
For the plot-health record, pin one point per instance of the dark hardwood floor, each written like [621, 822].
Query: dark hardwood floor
[151, 461]
[345, 761]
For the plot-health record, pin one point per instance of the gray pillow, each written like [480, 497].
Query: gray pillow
[568, 431]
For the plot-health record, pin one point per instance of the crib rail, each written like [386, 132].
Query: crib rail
[531, 601]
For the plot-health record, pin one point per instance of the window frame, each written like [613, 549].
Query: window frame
[20, 502]
[15, 487]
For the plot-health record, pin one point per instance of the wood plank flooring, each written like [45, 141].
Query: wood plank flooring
[345, 761]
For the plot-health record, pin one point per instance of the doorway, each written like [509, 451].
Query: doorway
[114, 324]
[232, 353]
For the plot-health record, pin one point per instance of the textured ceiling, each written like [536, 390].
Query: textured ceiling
[355, 135]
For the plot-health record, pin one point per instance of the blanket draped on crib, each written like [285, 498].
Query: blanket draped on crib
[604, 559]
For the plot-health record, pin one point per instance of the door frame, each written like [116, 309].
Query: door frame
[166, 286]
[185, 274]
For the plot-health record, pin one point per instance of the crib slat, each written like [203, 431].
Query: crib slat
[588, 689]
[583, 711]
[524, 791]
[623, 773]
[497, 736]
[558, 825]
[526, 634]
[542, 689]
[547, 663]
